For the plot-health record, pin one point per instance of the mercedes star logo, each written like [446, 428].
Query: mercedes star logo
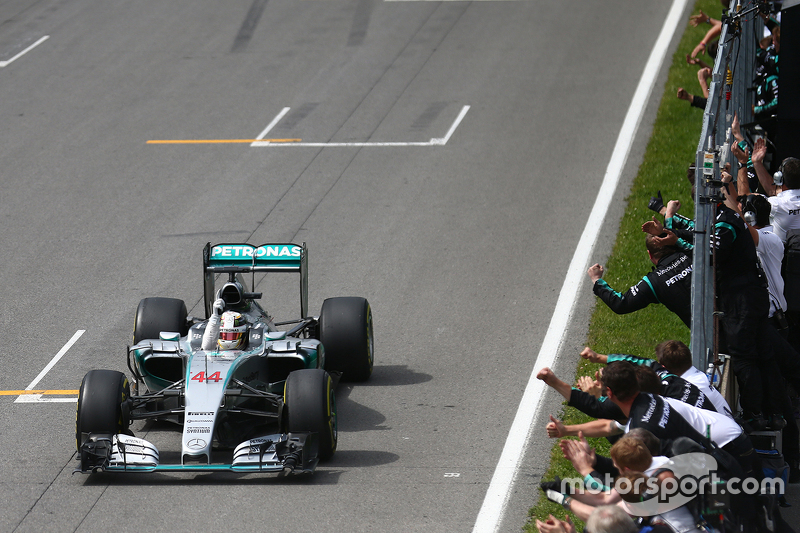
[196, 444]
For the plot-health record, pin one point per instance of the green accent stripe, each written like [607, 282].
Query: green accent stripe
[603, 283]
[592, 484]
[726, 225]
[651, 288]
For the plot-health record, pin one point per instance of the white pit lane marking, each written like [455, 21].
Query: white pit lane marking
[499, 491]
[272, 124]
[28, 49]
[37, 398]
[437, 141]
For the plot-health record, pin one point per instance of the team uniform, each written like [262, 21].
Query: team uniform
[653, 413]
[785, 213]
[766, 83]
[700, 380]
[665, 419]
[721, 429]
[770, 253]
[670, 283]
[673, 386]
[683, 228]
[743, 299]
[601, 408]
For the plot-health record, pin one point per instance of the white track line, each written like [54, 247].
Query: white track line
[441, 141]
[498, 493]
[32, 398]
[31, 47]
[38, 398]
[458, 120]
[272, 124]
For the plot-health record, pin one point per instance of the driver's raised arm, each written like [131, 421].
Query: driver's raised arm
[211, 333]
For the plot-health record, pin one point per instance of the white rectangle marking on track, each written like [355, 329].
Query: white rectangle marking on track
[441, 141]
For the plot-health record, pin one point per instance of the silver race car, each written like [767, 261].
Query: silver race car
[263, 404]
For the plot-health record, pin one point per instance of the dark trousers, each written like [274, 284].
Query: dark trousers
[747, 335]
[741, 448]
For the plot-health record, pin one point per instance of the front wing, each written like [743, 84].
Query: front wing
[280, 453]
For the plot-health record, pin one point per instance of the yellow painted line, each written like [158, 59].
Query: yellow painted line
[220, 141]
[22, 392]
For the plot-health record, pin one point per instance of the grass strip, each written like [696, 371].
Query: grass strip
[669, 152]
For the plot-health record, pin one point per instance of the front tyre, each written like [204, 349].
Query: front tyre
[311, 407]
[155, 315]
[100, 405]
[345, 330]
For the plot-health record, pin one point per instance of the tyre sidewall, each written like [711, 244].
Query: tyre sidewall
[100, 400]
[346, 333]
[155, 315]
[311, 407]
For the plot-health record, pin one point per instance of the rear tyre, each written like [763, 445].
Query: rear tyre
[311, 407]
[155, 315]
[100, 405]
[345, 330]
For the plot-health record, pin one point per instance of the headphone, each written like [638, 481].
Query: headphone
[777, 178]
[752, 214]
[750, 211]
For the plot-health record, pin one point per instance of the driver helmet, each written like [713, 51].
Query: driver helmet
[232, 330]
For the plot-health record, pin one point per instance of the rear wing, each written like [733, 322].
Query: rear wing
[243, 258]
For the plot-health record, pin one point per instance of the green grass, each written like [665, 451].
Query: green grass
[670, 151]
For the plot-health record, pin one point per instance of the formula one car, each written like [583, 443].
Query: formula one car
[270, 400]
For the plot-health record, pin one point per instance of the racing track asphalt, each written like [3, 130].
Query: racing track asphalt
[460, 248]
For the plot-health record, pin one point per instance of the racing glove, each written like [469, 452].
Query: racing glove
[656, 203]
[218, 306]
[212, 328]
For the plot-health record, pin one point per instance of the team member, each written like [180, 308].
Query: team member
[673, 385]
[785, 198]
[659, 416]
[676, 357]
[670, 283]
[745, 330]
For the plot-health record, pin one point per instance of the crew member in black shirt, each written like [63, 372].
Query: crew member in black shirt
[670, 283]
[653, 413]
[746, 333]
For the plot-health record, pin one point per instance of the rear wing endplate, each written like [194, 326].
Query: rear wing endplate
[242, 258]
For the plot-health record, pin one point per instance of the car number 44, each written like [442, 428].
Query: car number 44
[201, 377]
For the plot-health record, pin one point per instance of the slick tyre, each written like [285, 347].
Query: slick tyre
[311, 407]
[155, 315]
[345, 330]
[101, 405]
